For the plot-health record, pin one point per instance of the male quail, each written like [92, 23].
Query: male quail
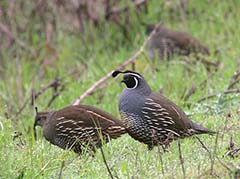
[150, 117]
[166, 42]
[79, 127]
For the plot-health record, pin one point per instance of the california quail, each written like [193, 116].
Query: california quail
[79, 127]
[166, 42]
[150, 117]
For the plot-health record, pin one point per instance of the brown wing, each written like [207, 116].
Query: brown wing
[109, 124]
[173, 118]
[167, 114]
[81, 117]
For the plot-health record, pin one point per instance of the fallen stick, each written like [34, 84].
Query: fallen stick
[120, 67]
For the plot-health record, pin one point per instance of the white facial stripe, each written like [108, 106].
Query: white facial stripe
[134, 74]
[136, 83]
[136, 80]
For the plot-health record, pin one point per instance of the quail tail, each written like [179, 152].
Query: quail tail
[198, 129]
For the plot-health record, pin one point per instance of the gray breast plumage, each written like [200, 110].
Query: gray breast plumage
[144, 119]
[130, 107]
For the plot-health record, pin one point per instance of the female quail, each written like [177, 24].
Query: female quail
[166, 42]
[150, 117]
[79, 127]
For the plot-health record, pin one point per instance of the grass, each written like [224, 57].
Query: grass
[215, 23]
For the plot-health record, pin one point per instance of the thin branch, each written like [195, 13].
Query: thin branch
[34, 95]
[105, 162]
[225, 92]
[233, 83]
[32, 98]
[234, 79]
[52, 84]
[223, 164]
[23, 106]
[205, 147]
[61, 169]
[161, 159]
[120, 67]
[55, 95]
[214, 152]
[4, 29]
[190, 92]
[194, 88]
[181, 159]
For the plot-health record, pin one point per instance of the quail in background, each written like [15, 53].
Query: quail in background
[79, 127]
[150, 117]
[166, 42]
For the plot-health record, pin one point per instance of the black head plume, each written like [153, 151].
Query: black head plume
[115, 73]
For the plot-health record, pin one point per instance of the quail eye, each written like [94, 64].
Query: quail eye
[132, 82]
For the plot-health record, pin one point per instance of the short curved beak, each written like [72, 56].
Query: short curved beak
[123, 81]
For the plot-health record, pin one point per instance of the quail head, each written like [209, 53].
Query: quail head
[166, 42]
[79, 127]
[150, 117]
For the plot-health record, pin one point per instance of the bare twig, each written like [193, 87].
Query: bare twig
[55, 95]
[190, 92]
[161, 159]
[223, 164]
[32, 98]
[105, 162]
[205, 147]
[23, 106]
[35, 95]
[120, 67]
[181, 159]
[4, 29]
[52, 84]
[214, 152]
[61, 169]
[234, 79]
[193, 89]
[225, 92]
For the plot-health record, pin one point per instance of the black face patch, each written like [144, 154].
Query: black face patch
[130, 81]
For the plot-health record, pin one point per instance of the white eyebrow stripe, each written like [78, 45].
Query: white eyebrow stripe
[134, 74]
